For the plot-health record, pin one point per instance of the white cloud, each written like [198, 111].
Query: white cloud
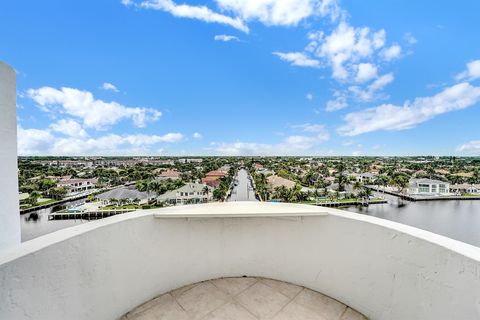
[109, 87]
[291, 145]
[280, 13]
[337, 104]
[346, 46]
[309, 96]
[313, 128]
[471, 147]
[366, 72]
[298, 59]
[202, 13]
[410, 114]
[472, 72]
[225, 38]
[44, 142]
[371, 91]
[409, 38]
[391, 53]
[94, 113]
[197, 135]
[69, 127]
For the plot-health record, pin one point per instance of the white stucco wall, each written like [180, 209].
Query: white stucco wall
[9, 213]
[102, 269]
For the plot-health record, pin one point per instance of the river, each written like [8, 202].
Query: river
[456, 219]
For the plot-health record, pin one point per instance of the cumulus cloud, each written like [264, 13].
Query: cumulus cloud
[309, 96]
[409, 38]
[472, 72]
[45, 142]
[280, 13]
[197, 135]
[236, 13]
[391, 53]
[410, 114]
[69, 127]
[225, 38]
[291, 145]
[370, 92]
[298, 59]
[366, 72]
[93, 112]
[338, 103]
[344, 47]
[471, 147]
[109, 87]
[202, 13]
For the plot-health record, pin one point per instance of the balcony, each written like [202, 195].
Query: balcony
[106, 269]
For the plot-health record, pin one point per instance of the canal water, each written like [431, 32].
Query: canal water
[35, 224]
[456, 219]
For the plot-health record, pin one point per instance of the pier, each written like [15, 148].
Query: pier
[88, 215]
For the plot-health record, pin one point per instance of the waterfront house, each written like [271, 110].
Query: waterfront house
[276, 181]
[168, 174]
[212, 178]
[428, 187]
[365, 178]
[465, 188]
[76, 185]
[188, 194]
[127, 194]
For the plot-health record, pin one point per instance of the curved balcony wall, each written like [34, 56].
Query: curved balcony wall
[103, 269]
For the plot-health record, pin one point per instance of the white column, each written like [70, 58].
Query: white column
[9, 208]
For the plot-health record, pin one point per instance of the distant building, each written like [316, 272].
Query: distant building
[277, 181]
[169, 174]
[212, 178]
[428, 187]
[77, 185]
[190, 160]
[366, 177]
[188, 194]
[465, 188]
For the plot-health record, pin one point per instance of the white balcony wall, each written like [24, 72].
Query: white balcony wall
[9, 213]
[102, 269]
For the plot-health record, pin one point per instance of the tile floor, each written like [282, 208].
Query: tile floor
[243, 299]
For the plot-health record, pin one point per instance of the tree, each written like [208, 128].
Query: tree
[33, 198]
[58, 193]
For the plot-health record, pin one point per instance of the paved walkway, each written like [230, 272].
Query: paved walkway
[243, 191]
[243, 299]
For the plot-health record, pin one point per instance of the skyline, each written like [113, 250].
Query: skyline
[307, 77]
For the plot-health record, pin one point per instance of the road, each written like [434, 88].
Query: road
[243, 189]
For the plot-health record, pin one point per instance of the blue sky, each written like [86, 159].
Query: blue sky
[244, 77]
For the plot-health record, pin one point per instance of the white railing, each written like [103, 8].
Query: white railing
[102, 269]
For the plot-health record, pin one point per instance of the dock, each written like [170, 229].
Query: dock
[334, 204]
[88, 215]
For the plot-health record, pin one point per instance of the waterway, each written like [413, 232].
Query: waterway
[456, 219]
[36, 223]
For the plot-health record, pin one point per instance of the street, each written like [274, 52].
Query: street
[242, 189]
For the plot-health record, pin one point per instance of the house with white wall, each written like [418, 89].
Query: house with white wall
[428, 187]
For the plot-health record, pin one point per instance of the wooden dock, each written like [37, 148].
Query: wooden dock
[88, 215]
[334, 204]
